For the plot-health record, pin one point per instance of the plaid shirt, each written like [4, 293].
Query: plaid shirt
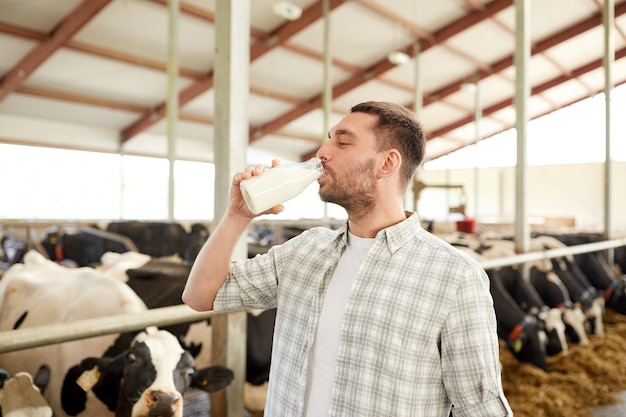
[419, 331]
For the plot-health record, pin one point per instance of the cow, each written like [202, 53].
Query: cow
[526, 295]
[619, 260]
[546, 282]
[21, 396]
[159, 283]
[82, 245]
[595, 267]
[12, 249]
[148, 379]
[159, 239]
[578, 286]
[555, 294]
[41, 292]
[523, 336]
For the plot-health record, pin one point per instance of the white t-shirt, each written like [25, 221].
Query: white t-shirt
[322, 358]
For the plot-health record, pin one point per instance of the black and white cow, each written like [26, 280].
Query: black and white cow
[527, 296]
[544, 279]
[12, 248]
[82, 245]
[159, 239]
[599, 272]
[523, 336]
[610, 281]
[150, 378]
[619, 261]
[41, 292]
[160, 283]
[555, 294]
[578, 286]
[20, 396]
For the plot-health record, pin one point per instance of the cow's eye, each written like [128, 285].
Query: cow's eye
[131, 357]
[190, 371]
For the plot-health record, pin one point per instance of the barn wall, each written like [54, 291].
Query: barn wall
[553, 191]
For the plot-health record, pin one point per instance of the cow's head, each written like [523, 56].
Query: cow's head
[615, 296]
[19, 396]
[527, 342]
[149, 379]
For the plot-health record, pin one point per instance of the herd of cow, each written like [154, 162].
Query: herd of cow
[543, 306]
[85, 272]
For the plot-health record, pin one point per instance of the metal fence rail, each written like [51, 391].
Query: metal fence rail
[82, 329]
[553, 253]
[62, 332]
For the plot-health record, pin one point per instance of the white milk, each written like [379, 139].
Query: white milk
[277, 185]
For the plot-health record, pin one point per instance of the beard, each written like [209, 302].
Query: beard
[353, 190]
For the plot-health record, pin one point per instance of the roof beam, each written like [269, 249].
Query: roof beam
[62, 33]
[539, 47]
[276, 38]
[380, 67]
[593, 65]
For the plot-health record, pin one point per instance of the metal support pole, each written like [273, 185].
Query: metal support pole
[418, 95]
[328, 86]
[522, 93]
[232, 66]
[171, 106]
[418, 103]
[478, 114]
[608, 20]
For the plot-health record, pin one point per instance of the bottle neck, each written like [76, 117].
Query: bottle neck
[313, 164]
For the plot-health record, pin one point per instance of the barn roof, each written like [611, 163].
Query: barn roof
[91, 74]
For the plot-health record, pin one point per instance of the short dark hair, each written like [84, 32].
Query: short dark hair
[397, 128]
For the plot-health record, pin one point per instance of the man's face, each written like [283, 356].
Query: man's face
[349, 158]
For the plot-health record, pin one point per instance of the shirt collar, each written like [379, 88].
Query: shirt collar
[395, 236]
[400, 234]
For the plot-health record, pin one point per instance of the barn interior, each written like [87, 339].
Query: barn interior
[231, 83]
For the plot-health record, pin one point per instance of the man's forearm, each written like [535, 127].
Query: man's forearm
[211, 266]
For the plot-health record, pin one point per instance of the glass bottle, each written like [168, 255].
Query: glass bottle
[279, 184]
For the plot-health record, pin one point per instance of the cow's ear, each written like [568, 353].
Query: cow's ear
[42, 377]
[211, 379]
[100, 375]
[110, 379]
[73, 397]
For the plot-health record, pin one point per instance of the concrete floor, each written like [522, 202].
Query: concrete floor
[615, 410]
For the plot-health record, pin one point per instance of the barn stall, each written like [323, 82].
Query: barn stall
[25, 35]
[586, 376]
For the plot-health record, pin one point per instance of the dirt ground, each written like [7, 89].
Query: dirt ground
[587, 376]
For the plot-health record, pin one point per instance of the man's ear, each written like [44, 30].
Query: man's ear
[390, 164]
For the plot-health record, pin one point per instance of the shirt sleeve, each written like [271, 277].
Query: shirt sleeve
[251, 283]
[470, 350]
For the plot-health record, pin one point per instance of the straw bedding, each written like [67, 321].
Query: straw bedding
[586, 376]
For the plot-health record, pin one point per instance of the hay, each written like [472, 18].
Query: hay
[585, 377]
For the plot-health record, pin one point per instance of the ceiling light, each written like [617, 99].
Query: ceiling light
[398, 57]
[469, 87]
[287, 10]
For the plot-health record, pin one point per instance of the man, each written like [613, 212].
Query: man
[378, 318]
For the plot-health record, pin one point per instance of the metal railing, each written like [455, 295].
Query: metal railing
[19, 339]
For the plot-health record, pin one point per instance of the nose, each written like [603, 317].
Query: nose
[322, 153]
[164, 404]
